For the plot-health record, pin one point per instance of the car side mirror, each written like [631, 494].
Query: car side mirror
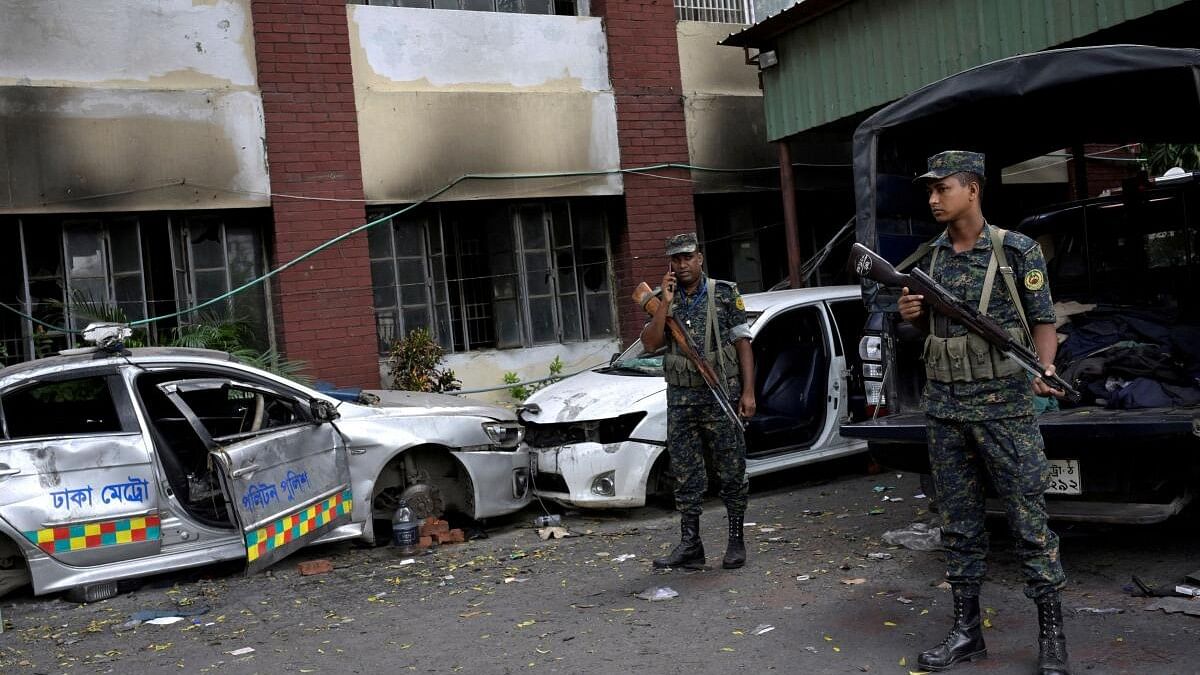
[323, 411]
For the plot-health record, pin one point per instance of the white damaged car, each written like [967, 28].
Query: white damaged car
[598, 438]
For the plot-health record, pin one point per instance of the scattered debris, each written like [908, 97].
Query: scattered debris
[811, 650]
[437, 532]
[1186, 589]
[882, 488]
[162, 617]
[656, 593]
[1099, 610]
[763, 628]
[875, 511]
[311, 567]
[916, 537]
[1189, 606]
[920, 495]
[879, 556]
[624, 556]
[408, 561]
[804, 577]
[517, 580]
[903, 600]
[553, 533]
[1147, 591]
[888, 498]
[854, 582]
[241, 652]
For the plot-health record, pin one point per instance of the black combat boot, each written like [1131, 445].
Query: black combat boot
[965, 640]
[690, 551]
[735, 551]
[1052, 643]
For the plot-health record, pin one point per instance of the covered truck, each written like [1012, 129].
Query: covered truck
[1122, 266]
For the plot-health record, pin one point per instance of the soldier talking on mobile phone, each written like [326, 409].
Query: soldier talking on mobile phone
[712, 313]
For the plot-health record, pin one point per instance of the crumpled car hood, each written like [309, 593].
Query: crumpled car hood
[418, 403]
[592, 396]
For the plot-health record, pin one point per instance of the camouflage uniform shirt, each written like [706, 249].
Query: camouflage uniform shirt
[963, 275]
[692, 313]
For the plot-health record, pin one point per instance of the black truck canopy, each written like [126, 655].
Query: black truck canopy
[1020, 107]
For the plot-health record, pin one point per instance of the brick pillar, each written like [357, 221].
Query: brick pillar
[643, 63]
[323, 305]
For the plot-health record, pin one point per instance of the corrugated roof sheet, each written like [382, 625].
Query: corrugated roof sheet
[863, 54]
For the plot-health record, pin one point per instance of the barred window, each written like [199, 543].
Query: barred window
[562, 7]
[493, 275]
[715, 11]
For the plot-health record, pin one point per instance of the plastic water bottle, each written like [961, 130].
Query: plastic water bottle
[405, 529]
[550, 520]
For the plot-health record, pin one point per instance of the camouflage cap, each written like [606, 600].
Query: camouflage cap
[683, 243]
[951, 162]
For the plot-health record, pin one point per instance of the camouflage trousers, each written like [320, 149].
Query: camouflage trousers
[691, 429]
[1010, 450]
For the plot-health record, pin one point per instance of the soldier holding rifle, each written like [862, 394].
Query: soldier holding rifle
[713, 319]
[979, 407]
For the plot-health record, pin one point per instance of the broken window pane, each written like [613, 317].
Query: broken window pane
[80, 406]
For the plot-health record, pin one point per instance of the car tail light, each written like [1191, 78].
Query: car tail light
[870, 351]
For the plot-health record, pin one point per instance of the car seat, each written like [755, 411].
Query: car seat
[791, 399]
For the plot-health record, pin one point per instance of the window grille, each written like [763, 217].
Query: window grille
[714, 11]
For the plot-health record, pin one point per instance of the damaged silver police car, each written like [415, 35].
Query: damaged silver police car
[116, 465]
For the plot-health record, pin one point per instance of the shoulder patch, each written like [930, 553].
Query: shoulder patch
[1035, 280]
[739, 304]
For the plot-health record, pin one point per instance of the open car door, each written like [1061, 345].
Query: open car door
[282, 465]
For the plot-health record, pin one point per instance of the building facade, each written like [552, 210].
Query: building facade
[159, 157]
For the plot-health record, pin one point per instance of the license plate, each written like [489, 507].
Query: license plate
[1065, 478]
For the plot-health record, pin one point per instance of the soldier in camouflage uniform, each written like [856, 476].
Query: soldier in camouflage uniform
[979, 407]
[712, 313]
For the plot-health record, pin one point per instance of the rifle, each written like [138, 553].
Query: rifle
[649, 301]
[867, 264]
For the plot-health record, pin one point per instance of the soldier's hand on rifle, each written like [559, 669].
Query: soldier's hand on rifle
[668, 286]
[911, 306]
[1042, 389]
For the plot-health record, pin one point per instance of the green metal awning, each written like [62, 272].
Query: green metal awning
[838, 59]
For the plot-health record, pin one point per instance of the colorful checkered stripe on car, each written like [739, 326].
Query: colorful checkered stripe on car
[281, 531]
[84, 536]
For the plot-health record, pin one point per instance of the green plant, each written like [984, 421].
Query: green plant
[208, 330]
[1158, 157]
[414, 364]
[520, 392]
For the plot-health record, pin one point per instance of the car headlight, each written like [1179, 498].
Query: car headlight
[504, 434]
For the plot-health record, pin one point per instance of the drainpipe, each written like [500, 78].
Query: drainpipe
[787, 184]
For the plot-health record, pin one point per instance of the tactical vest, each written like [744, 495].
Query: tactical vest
[679, 369]
[971, 358]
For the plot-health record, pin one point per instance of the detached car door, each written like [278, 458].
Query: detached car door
[282, 464]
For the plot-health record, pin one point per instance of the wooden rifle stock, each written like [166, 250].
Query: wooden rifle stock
[867, 264]
[645, 296]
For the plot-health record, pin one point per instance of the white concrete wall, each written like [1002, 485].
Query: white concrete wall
[486, 368]
[723, 109]
[442, 93]
[156, 101]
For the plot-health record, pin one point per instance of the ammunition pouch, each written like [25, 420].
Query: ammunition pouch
[968, 358]
[681, 372]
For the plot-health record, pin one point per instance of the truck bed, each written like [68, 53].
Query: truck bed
[1087, 422]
